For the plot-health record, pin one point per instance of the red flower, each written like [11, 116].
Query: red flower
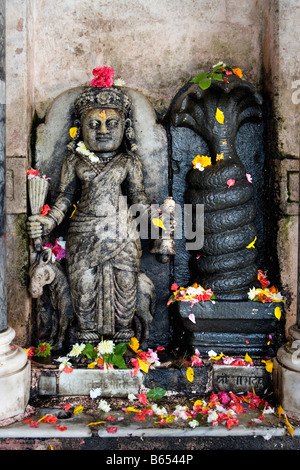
[174, 286]
[68, 370]
[61, 428]
[32, 172]
[103, 77]
[231, 422]
[44, 210]
[136, 366]
[31, 351]
[110, 418]
[139, 417]
[142, 398]
[112, 429]
[66, 407]
[34, 424]
[51, 419]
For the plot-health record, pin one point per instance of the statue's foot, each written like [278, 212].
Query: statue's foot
[88, 336]
[124, 335]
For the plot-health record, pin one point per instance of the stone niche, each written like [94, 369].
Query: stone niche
[231, 324]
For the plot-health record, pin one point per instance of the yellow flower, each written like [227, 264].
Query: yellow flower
[92, 365]
[73, 132]
[78, 410]
[220, 156]
[134, 344]
[204, 161]
[143, 366]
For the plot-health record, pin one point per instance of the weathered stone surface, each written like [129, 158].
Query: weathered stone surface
[232, 328]
[241, 379]
[115, 383]
[16, 190]
[175, 380]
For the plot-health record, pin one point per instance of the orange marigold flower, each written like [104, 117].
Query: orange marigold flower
[238, 72]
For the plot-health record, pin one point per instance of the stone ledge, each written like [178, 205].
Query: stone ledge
[119, 383]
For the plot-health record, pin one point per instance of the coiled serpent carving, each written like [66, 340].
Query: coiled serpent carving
[225, 263]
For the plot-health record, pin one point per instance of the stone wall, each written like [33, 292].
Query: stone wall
[155, 46]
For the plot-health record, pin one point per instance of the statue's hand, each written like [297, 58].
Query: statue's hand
[38, 226]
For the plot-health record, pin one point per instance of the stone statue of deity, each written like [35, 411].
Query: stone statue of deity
[103, 246]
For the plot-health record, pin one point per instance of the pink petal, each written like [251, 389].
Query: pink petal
[192, 318]
[230, 182]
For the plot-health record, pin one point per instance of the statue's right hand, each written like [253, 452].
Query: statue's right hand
[38, 226]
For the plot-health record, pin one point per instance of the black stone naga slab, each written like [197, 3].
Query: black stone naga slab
[232, 328]
[222, 186]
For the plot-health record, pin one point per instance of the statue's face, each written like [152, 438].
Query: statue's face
[102, 130]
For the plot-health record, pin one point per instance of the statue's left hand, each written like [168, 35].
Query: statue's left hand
[38, 226]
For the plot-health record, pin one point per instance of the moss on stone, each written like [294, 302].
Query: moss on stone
[22, 250]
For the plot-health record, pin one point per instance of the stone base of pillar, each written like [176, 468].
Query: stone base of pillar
[286, 374]
[15, 376]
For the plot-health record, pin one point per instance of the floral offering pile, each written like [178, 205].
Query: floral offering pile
[220, 72]
[58, 249]
[265, 293]
[105, 356]
[193, 294]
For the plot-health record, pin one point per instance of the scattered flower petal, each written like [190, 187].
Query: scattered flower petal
[230, 183]
[277, 313]
[251, 245]
[220, 116]
[192, 318]
[190, 374]
[112, 429]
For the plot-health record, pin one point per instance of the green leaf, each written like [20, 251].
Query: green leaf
[217, 76]
[156, 393]
[199, 78]
[89, 351]
[121, 348]
[118, 361]
[204, 84]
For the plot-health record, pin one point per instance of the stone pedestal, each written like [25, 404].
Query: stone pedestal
[15, 375]
[232, 328]
[286, 373]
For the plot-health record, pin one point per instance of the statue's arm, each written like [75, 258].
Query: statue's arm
[135, 183]
[38, 226]
[67, 188]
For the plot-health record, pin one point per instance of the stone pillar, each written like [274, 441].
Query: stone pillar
[14, 365]
[286, 374]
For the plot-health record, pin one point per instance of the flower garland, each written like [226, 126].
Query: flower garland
[82, 150]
